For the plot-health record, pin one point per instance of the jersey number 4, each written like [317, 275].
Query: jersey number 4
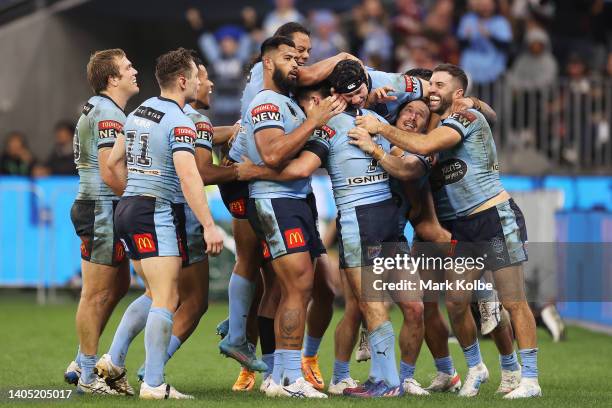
[142, 159]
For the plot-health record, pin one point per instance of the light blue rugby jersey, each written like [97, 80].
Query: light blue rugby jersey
[466, 175]
[153, 132]
[357, 178]
[270, 109]
[100, 122]
[204, 138]
[253, 87]
[407, 89]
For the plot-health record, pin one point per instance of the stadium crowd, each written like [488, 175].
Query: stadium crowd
[529, 45]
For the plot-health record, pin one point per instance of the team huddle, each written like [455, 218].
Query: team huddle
[398, 148]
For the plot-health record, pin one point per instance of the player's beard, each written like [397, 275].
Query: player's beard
[445, 102]
[284, 84]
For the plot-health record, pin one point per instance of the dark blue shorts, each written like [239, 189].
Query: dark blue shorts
[363, 230]
[284, 225]
[191, 234]
[147, 227]
[497, 234]
[235, 195]
[94, 225]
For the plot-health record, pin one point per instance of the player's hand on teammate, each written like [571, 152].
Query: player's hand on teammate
[214, 240]
[462, 104]
[369, 123]
[381, 95]
[247, 170]
[362, 139]
[325, 109]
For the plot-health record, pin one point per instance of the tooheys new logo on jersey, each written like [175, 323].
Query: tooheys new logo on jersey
[325, 132]
[184, 135]
[369, 179]
[205, 131]
[109, 129]
[267, 111]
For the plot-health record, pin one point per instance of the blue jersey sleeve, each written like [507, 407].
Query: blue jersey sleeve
[204, 131]
[108, 123]
[320, 142]
[267, 115]
[465, 122]
[183, 136]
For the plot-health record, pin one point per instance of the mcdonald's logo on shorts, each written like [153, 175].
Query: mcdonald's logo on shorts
[85, 248]
[144, 243]
[238, 207]
[265, 250]
[294, 238]
[119, 252]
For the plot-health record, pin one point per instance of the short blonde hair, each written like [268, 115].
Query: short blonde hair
[101, 66]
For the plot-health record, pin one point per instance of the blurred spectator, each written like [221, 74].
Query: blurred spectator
[535, 67]
[16, 159]
[227, 52]
[419, 55]
[284, 12]
[485, 38]
[61, 159]
[372, 37]
[326, 40]
[408, 18]
[252, 25]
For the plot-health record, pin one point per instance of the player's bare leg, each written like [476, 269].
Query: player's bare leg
[295, 274]
[345, 338]
[464, 328]
[103, 287]
[320, 312]
[510, 284]
[410, 342]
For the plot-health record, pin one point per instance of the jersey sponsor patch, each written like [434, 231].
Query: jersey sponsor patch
[264, 112]
[87, 108]
[144, 242]
[294, 238]
[109, 129]
[205, 131]
[448, 172]
[265, 250]
[465, 118]
[184, 135]
[411, 83]
[238, 207]
[370, 179]
[325, 132]
[149, 113]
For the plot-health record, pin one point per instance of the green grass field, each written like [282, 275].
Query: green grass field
[38, 342]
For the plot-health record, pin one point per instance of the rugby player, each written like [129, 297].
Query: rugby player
[415, 116]
[105, 271]
[279, 212]
[159, 151]
[248, 247]
[193, 278]
[357, 203]
[475, 193]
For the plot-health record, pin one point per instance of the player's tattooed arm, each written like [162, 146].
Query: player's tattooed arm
[319, 71]
[113, 167]
[212, 174]
[439, 139]
[301, 167]
[403, 168]
[275, 147]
